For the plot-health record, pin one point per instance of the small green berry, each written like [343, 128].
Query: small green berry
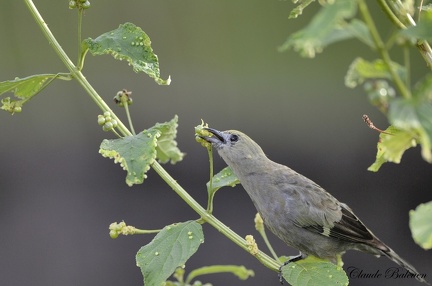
[86, 4]
[72, 4]
[101, 120]
[17, 109]
[107, 126]
[107, 113]
[113, 234]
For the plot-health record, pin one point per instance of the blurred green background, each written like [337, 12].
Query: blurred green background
[58, 195]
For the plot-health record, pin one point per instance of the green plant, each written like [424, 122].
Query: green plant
[386, 82]
[138, 152]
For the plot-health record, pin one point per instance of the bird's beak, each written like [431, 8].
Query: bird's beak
[217, 138]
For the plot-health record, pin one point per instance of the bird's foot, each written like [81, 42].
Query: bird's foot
[293, 259]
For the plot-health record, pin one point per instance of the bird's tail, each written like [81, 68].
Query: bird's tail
[396, 258]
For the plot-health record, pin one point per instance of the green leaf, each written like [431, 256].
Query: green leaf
[25, 88]
[423, 29]
[392, 146]
[134, 153]
[325, 28]
[313, 271]
[414, 116]
[224, 178]
[128, 42]
[297, 11]
[170, 248]
[166, 145]
[360, 70]
[360, 30]
[421, 225]
[423, 88]
[240, 271]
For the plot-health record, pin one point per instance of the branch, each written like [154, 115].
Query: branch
[76, 73]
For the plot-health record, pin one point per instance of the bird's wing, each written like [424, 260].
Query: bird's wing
[350, 228]
[325, 215]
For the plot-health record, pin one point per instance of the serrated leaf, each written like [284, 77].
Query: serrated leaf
[166, 148]
[423, 29]
[238, 270]
[324, 29]
[134, 153]
[170, 249]
[24, 89]
[361, 70]
[421, 225]
[392, 146]
[224, 178]
[313, 271]
[128, 42]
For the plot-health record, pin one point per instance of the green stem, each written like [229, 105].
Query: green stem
[80, 13]
[75, 72]
[380, 46]
[146, 231]
[210, 188]
[213, 221]
[263, 234]
[407, 64]
[402, 20]
[126, 107]
[262, 257]
[389, 12]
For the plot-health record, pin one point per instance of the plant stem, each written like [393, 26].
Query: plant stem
[263, 234]
[80, 13]
[213, 221]
[388, 11]
[126, 107]
[76, 73]
[210, 188]
[403, 20]
[407, 64]
[380, 46]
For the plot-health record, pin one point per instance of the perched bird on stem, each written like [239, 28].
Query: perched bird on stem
[296, 209]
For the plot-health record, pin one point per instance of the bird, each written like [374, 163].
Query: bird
[296, 209]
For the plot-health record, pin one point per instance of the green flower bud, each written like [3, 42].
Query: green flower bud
[107, 126]
[101, 120]
[72, 4]
[86, 5]
[17, 109]
[113, 234]
[114, 123]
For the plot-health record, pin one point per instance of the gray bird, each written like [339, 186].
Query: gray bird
[296, 209]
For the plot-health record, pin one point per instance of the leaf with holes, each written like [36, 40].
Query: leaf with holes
[134, 153]
[166, 148]
[24, 89]
[128, 42]
[224, 178]
[170, 248]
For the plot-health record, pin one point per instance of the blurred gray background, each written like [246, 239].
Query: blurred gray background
[58, 195]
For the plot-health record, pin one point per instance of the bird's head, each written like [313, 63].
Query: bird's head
[234, 146]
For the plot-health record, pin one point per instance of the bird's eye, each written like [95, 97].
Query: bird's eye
[234, 138]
